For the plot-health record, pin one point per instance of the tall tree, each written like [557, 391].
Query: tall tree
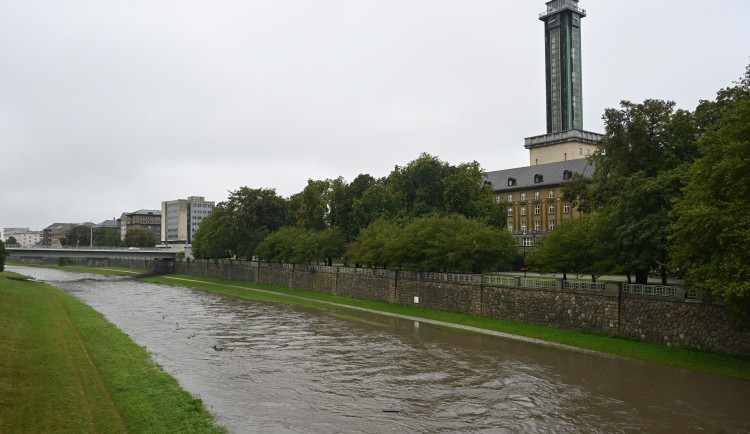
[107, 237]
[712, 231]
[77, 236]
[420, 185]
[238, 224]
[215, 237]
[639, 166]
[140, 238]
[313, 211]
[434, 243]
[575, 245]
[11, 240]
[3, 254]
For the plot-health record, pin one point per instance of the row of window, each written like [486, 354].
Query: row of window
[567, 174]
[538, 209]
[537, 226]
[537, 196]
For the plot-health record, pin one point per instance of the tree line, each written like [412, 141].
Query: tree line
[81, 235]
[425, 203]
[669, 191]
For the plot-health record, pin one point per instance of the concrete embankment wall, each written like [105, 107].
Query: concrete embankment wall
[672, 320]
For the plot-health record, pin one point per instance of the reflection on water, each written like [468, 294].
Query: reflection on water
[271, 367]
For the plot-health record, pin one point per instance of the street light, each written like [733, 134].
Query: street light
[524, 268]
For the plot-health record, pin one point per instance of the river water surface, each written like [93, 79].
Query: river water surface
[271, 367]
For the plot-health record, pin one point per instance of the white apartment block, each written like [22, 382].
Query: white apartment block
[24, 236]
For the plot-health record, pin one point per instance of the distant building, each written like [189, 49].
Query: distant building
[181, 218]
[148, 219]
[52, 234]
[24, 237]
[534, 196]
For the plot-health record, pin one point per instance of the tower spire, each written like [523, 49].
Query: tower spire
[565, 138]
[562, 37]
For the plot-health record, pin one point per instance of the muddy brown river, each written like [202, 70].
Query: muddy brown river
[272, 367]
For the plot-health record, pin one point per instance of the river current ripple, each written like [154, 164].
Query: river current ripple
[270, 367]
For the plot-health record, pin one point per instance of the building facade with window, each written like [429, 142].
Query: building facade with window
[52, 234]
[24, 237]
[182, 217]
[534, 196]
[148, 219]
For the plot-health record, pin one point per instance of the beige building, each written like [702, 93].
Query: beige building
[148, 219]
[182, 217]
[534, 196]
[563, 146]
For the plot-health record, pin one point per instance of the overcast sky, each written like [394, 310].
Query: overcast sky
[113, 106]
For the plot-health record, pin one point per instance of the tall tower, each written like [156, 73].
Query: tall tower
[562, 55]
[565, 138]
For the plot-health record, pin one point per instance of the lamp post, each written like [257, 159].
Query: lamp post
[523, 242]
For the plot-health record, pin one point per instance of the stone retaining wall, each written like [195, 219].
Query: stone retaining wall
[374, 288]
[562, 309]
[703, 326]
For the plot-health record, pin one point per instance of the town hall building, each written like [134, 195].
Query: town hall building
[534, 192]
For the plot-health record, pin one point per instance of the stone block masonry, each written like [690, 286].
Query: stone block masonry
[669, 320]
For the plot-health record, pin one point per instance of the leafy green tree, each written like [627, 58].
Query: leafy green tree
[575, 245]
[140, 238]
[214, 239]
[341, 203]
[313, 210]
[3, 254]
[279, 246]
[77, 236]
[434, 243]
[420, 185]
[255, 212]
[466, 194]
[640, 164]
[298, 245]
[240, 223]
[576, 192]
[375, 245]
[11, 240]
[378, 200]
[712, 231]
[107, 237]
[330, 243]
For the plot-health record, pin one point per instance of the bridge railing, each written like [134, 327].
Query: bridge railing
[89, 248]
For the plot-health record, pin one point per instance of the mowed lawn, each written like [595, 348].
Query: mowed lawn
[65, 368]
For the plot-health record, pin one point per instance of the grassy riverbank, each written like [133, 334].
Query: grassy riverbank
[677, 357]
[65, 368]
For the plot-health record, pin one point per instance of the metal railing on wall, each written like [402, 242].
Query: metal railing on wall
[653, 290]
[673, 292]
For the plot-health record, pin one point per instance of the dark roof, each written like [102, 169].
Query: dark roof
[551, 174]
[57, 226]
[107, 224]
[154, 212]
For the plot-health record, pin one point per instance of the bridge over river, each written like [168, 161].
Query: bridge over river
[92, 252]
